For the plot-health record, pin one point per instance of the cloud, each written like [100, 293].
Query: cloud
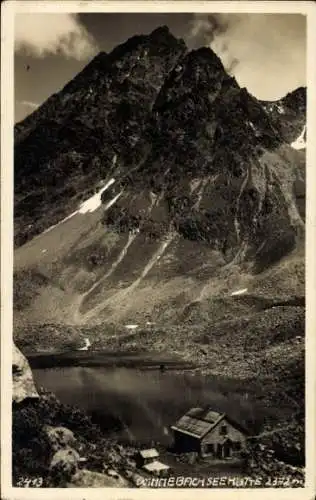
[24, 108]
[206, 27]
[211, 30]
[30, 104]
[265, 52]
[41, 34]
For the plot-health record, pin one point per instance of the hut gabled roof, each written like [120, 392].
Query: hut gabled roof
[198, 422]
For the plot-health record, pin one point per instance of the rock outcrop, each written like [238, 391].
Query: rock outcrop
[23, 383]
[64, 462]
[65, 466]
[84, 478]
[60, 437]
[288, 115]
[67, 463]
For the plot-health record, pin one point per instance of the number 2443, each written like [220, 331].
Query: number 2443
[30, 482]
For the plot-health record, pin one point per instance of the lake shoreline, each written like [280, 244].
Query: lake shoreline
[105, 358]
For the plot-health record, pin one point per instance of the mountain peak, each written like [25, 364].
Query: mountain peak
[163, 35]
[160, 37]
[161, 31]
[207, 55]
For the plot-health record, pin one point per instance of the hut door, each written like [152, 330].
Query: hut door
[220, 451]
[225, 450]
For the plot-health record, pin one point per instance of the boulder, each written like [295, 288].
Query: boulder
[64, 464]
[60, 437]
[23, 383]
[84, 478]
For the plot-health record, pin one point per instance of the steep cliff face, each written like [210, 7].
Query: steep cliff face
[152, 181]
[94, 126]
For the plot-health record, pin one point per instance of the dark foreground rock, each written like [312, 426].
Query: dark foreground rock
[55, 443]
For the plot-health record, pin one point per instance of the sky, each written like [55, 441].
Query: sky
[265, 52]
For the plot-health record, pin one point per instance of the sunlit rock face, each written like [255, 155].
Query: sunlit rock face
[23, 383]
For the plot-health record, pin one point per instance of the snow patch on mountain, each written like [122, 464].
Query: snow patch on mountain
[88, 206]
[239, 292]
[87, 345]
[300, 142]
[95, 201]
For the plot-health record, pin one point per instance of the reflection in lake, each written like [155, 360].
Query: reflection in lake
[139, 404]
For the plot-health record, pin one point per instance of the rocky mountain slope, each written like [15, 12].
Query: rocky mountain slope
[191, 176]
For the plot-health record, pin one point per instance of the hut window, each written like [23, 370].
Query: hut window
[237, 445]
[223, 430]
